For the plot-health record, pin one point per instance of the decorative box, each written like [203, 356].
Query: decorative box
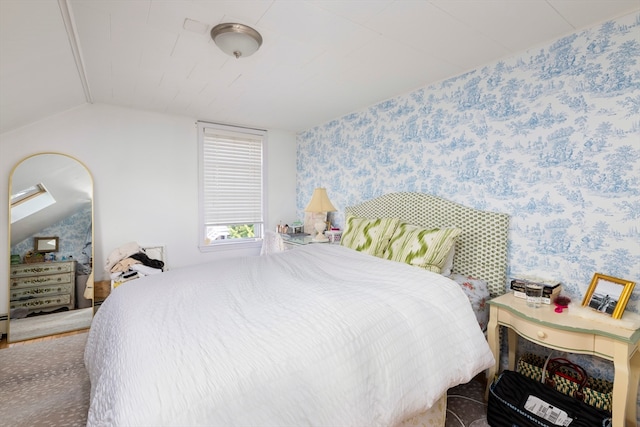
[33, 258]
[550, 290]
[333, 235]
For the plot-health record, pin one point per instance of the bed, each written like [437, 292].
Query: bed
[320, 335]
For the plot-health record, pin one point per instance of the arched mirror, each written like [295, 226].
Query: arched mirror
[51, 247]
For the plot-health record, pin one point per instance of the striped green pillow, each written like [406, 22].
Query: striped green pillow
[421, 247]
[366, 235]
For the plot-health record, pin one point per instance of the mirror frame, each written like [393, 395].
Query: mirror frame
[91, 275]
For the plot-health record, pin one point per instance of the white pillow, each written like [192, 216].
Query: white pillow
[448, 263]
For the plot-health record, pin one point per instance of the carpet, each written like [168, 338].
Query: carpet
[466, 406]
[46, 384]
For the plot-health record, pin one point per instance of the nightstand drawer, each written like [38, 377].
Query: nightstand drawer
[550, 337]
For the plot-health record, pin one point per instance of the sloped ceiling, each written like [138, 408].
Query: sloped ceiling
[65, 179]
[319, 60]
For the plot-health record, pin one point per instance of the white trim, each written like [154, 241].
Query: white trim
[72, 35]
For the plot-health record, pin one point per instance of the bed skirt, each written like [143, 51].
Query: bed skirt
[433, 417]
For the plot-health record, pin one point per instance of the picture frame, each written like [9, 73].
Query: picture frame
[608, 294]
[45, 244]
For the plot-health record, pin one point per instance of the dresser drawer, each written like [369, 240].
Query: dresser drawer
[53, 279]
[40, 291]
[42, 303]
[550, 337]
[21, 270]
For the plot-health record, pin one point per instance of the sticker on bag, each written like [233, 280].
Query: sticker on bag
[548, 412]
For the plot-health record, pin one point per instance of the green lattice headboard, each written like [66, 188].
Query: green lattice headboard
[481, 249]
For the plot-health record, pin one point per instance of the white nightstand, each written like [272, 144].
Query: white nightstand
[573, 334]
[293, 242]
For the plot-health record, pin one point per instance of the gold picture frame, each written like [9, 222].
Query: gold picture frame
[608, 294]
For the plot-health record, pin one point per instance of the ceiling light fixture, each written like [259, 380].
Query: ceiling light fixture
[236, 39]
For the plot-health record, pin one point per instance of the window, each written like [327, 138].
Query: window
[29, 201]
[231, 184]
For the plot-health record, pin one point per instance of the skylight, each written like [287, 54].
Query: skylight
[29, 201]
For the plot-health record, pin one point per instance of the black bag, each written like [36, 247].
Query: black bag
[517, 401]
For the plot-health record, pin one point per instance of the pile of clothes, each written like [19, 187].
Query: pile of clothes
[130, 262]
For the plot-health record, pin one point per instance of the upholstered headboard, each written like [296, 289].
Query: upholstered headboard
[481, 248]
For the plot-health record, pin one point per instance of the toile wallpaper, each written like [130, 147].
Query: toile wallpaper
[74, 233]
[551, 136]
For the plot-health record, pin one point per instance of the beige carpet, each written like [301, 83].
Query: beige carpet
[46, 384]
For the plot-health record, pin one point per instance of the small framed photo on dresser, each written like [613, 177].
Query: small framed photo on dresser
[45, 244]
[608, 294]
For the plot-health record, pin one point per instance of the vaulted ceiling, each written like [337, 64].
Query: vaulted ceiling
[320, 59]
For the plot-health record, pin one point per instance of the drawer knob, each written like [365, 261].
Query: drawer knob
[541, 334]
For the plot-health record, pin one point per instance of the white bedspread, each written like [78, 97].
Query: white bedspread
[321, 335]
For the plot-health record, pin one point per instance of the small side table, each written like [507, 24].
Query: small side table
[573, 334]
[293, 242]
[101, 290]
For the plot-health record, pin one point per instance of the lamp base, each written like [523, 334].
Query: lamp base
[321, 238]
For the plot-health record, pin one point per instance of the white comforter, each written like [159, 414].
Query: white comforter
[321, 335]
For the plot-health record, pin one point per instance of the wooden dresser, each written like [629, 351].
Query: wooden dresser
[44, 286]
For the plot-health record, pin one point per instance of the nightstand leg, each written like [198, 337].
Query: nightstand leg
[493, 338]
[513, 348]
[625, 385]
[632, 394]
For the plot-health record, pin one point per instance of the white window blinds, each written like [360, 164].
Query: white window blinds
[232, 191]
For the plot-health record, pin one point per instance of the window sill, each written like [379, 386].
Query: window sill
[231, 246]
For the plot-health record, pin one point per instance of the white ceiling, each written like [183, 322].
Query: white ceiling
[320, 59]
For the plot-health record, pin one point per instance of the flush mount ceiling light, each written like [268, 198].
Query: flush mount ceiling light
[236, 39]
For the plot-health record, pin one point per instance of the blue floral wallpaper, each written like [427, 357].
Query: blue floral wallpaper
[74, 239]
[551, 136]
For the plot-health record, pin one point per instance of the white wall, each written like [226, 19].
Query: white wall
[144, 167]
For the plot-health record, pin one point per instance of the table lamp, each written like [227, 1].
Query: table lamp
[320, 203]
